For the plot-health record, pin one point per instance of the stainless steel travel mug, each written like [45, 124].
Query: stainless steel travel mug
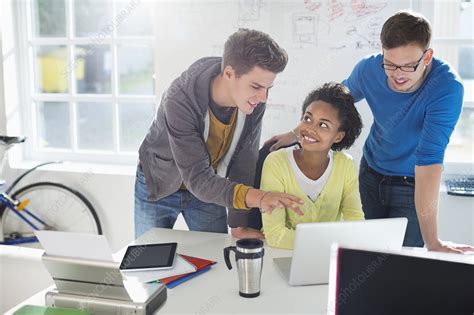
[249, 259]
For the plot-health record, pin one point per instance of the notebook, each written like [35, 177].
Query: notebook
[201, 265]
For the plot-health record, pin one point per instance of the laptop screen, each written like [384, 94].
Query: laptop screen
[369, 282]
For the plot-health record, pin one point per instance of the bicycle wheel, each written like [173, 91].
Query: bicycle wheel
[60, 207]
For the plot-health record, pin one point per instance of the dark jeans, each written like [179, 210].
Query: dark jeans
[199, 215]
[390, 197]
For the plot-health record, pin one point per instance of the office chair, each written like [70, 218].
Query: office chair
[255, 217]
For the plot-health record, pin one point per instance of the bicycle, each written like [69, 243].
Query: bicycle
[41, 206]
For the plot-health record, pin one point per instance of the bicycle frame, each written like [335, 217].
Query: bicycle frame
[19, 234]
[12, 204]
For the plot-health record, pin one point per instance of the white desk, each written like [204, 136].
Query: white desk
[216, 291]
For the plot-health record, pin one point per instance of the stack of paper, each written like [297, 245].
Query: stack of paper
[201, 265]
[181, 266]
[185, 268]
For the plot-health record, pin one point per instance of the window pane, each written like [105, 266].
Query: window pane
[135, 119]
[453, 19]
[461, 145]
[466, 19]
[461, 57]
[466, 62]
[53, 125]
[135, 66]
[93, 18]
[93, 69]
[50, 18]
[95, 127]
[134, 18]
[51, 69]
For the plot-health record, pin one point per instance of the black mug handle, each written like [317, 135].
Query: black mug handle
[227, 255]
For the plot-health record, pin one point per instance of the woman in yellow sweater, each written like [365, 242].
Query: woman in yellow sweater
[318, 172]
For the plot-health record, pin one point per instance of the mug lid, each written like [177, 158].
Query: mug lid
[249, 243]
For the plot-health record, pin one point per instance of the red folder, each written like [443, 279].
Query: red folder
[199, 263]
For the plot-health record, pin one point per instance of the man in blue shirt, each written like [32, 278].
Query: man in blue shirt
[416, 101]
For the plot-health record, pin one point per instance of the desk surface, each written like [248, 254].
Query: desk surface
[216, 291]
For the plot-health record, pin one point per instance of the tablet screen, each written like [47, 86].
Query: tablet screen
[149, 256]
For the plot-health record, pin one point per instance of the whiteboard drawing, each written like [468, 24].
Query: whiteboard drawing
[249, 10]
[351, 30]
[305, 28]
[338, 47]
[312, 5]
[339, 24]
[366, 35]
[336, 10]
[360, 9]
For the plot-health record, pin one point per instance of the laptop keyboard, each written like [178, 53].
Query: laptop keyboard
[463, 186]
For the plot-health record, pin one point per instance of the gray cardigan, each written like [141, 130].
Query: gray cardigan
[174, 150]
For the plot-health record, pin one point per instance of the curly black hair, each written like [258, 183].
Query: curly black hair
[341, 99]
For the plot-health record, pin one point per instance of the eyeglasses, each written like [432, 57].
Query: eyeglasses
[392, 67]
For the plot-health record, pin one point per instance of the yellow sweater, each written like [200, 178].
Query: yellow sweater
[339, 199]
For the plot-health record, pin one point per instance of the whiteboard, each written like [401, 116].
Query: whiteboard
[324, 41]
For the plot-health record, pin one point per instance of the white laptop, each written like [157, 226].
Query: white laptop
[311, 254]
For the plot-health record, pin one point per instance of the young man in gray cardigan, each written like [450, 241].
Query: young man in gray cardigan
[199, 155]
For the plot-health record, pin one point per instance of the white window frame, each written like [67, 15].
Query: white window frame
[25, 41]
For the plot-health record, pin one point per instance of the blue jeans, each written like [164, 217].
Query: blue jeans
[382, 198]
[199, 216]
